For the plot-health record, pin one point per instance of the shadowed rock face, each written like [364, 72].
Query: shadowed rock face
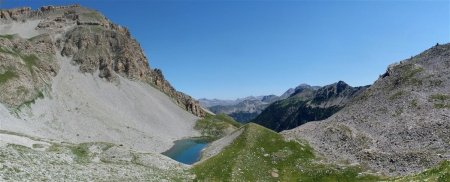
[94, 43]
[306, 104]
[399, 125]
[246, 109]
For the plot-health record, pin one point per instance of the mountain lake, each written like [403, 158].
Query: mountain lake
[187, 151]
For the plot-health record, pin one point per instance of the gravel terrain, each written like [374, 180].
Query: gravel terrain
[67, 115]
[399, 125]
[217, 146]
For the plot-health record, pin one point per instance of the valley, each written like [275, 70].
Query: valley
[80, 101]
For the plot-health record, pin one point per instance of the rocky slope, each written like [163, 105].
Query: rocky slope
[67, 76]
[307, 103]
[92, 41]
[94, 161]
[78, 102]
[399, 125]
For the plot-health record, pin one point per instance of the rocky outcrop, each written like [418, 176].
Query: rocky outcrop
[70, 75]
[99, 46]
[305, 104]
[26, 13]
[399, 125]
[14, 13]
[107, 50]
[183, 100]
[26, 69]
[337, 94]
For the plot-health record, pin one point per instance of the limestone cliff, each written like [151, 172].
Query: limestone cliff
[93, 42]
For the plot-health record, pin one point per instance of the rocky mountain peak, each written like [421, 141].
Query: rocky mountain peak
[341, 85]
[269, 98]
[299, 89]
[307, 104]
[400, 123]
[288, 93]
[302, 89]
[303, 85]
[96, 44]
[339, 90]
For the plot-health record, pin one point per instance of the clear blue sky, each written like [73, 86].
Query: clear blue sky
[230, 49]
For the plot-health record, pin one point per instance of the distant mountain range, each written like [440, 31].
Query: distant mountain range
[79, 101]
[293, 108]
[306, 104]
[246, 109]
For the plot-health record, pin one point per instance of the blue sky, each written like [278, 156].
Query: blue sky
[230, 49]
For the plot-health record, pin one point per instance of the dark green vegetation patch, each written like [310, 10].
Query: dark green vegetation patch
[408, 75]
[397, 95]
[81, 152]
[7, 36]
[7, 75]
[440, 97]
[292, 112]
[7, 51]
[440, 173]
[215, 126]
[30, 61]
[39, 95]
[441, 101]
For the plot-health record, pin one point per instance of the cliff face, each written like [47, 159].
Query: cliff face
[307, 104]
[399, 125]
[69, 74]
[96, 44]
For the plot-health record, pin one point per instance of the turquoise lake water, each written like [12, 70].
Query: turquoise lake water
[187, 151]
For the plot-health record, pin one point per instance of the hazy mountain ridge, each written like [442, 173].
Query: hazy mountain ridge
[398, 125]
[306, 104]
[247, 108]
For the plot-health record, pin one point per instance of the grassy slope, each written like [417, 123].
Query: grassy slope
[7, 36]
[215, 126]
[8, 75]
[260, 154]
[440, 173]
[31, 60]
